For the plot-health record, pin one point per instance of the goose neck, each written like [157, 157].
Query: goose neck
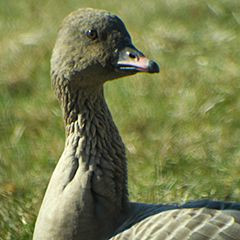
[99, 148]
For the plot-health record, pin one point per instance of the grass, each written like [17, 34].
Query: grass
[181, 127]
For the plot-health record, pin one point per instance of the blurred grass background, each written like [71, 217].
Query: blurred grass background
[181, 127]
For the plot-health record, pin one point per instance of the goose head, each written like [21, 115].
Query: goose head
[93, 47]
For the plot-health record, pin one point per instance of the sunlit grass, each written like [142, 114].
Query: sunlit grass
[181, 127]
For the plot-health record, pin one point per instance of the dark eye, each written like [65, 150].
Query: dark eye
[92, 34]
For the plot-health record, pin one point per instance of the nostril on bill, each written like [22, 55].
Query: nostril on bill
[133, 56]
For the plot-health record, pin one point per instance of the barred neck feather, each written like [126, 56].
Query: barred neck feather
[98, 148]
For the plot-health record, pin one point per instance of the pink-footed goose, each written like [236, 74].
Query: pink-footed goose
[87, 197]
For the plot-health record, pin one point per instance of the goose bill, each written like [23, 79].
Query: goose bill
[130, 59]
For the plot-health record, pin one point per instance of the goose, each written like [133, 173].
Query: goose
[87, 196]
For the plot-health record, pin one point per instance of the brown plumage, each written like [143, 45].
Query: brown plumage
[87, 196]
